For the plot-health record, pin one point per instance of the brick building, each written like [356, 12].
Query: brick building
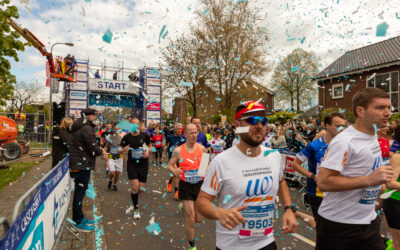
[376, 65]
[209, 103]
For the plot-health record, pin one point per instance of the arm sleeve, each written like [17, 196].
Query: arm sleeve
[305, 153]
[212, 182]
[336, 155]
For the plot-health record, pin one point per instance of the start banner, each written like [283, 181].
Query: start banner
[37, 226]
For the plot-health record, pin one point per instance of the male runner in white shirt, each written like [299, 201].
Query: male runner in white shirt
[351, 176]
[247, 178]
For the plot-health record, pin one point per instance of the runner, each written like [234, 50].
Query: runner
[115, 161]
[157, 142]
[391, 206]
[103, 133]
[217, 145]
[247, 178]
[188, 158]
[314, 152]
[136, 144]
[173, 141]
[351, 175]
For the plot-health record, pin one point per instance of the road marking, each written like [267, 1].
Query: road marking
[302, 238]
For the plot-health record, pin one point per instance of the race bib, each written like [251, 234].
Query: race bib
[114, 150]
[217, 149]
[157, 143]
[136, 153]
[192, 176]
[370, 195]
[259, 221]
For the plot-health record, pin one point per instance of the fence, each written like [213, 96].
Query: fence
[43, 210]
[289, 173]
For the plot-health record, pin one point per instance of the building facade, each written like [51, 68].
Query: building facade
[376, 65]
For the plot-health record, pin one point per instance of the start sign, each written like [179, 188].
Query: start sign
[100, 85]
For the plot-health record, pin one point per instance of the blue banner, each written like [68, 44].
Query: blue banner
[112, 100]
[43, 213]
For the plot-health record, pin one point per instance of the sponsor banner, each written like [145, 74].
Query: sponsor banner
[56, 86]
[48, 76]
[75, 112]
[82, 76]
[77, 104]
[154, 106]
[153, 90]
[78, 95]
[78, 86]
[38, 224]
[152, 73]
[152, 115]
[115, 86]
[153, 81]
[110, 100]
[154, 98]
[82, 67]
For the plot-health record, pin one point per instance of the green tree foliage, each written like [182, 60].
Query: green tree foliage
[346, 112]
[9, 46]
[293, 77]
[281, 116]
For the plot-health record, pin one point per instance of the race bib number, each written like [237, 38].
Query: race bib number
[114, 150]
[192, 176]
[157, 143]
[259, 221]
[136, 153]
[217, 149]
[370, 195]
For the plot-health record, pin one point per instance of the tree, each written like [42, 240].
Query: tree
[25, 94]
[9, 45]
[186, 68]
[293, 77]
[234, 41]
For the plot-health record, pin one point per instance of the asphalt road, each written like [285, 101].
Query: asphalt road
[123, 232]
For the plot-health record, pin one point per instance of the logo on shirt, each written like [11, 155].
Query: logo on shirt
[259, 187]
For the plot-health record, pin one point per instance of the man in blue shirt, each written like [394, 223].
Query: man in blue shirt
[172, 142]
[314, 152]
[201, 137]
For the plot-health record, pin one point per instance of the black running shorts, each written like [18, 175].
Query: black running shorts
[391, 208]
[188, 191]
[138, 172]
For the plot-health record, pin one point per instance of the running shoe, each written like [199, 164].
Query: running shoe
[87, 222]
[109, 185]
[192, 248]
[176, 195]
[169, 187]
[136, 214]
[83, 227]
[115, 188]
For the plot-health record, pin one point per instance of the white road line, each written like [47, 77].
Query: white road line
[302, 238]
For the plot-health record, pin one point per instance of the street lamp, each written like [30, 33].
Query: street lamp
[51, 91]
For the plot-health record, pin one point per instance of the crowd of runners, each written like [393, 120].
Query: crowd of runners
[232, 173]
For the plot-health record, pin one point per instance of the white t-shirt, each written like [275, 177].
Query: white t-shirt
[353, 154]
[242, 180]
[217, 146]
[236, 141]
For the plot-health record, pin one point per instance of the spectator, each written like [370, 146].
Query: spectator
[61, 141]
[83, 151]
[115, 76]
[97, 75]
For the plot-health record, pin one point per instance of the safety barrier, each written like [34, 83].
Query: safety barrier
[43, 210]
[289, 173]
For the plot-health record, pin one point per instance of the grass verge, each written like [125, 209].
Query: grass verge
[14, 172]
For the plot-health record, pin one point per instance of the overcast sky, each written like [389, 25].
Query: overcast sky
[328, 28]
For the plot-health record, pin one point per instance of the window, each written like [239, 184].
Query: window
[388, 82]
[337, 91]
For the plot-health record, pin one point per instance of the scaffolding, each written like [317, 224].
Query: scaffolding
[107, 72]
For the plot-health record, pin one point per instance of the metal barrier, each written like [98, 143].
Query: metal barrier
[36, 137]
[287, 159]
[41, 211]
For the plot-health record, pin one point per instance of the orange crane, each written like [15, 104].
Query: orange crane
[58, 69]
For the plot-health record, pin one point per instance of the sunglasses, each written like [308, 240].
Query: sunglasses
[254, 120]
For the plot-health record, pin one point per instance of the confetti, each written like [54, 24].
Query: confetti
[375, 128]
[107, 37]
[381, 29]
[227, 198]
[340, 128]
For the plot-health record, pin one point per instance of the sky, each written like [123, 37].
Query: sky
[326, 27]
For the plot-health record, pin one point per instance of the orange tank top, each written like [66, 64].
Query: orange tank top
[190, 163]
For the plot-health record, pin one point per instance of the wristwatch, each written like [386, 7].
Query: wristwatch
[312, 177]
[293, 208]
